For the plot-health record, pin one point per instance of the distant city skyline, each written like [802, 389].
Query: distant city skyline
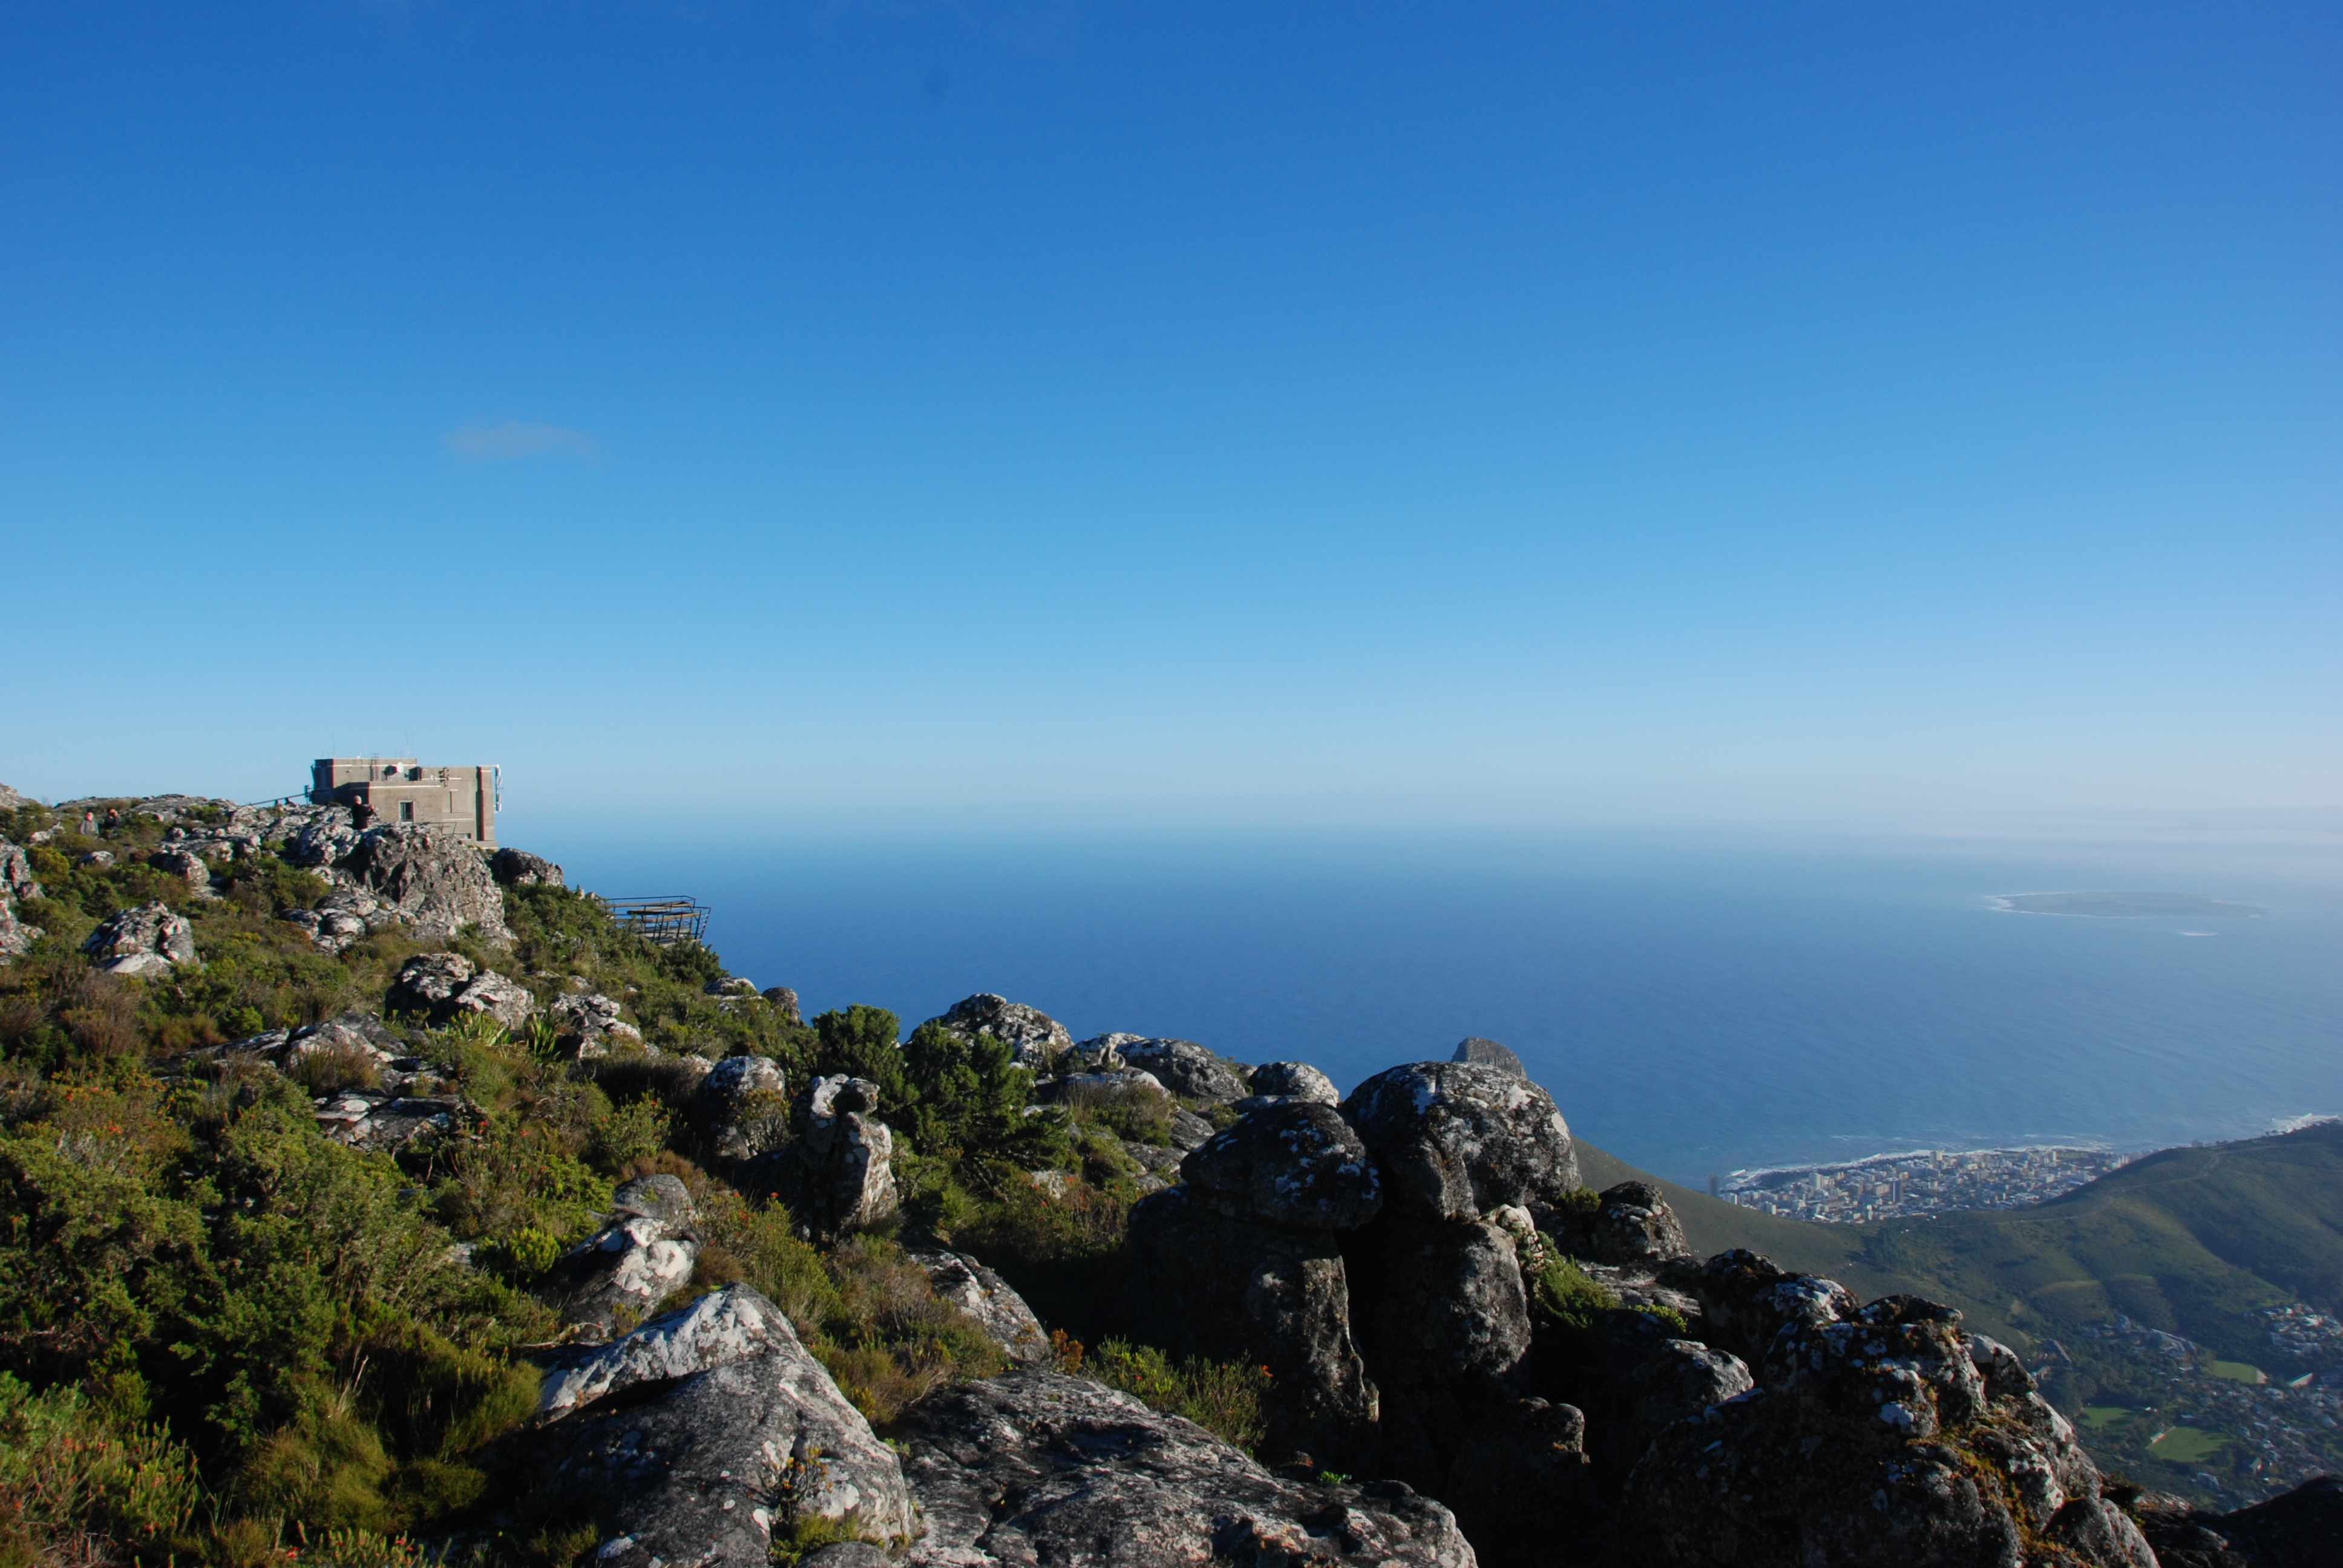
[906, 417]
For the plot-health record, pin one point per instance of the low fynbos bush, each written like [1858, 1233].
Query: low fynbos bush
[1563, 1292]
[71, 1471]
[1224, 1398]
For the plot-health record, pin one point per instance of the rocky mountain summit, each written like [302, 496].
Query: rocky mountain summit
[384, 1193]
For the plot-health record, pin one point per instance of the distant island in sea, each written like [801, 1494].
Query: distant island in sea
[2125, 906]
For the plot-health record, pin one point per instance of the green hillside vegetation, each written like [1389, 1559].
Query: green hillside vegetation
[2188, 1240]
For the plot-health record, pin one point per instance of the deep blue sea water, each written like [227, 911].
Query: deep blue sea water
[1694, 1004]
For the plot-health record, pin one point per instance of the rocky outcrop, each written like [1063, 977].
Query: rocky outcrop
[1455, 1140]
[17, 881]
[986, 1298]
[1294, 1081]
[1185, 1068]
[434, 881]
[588, 1025]
[1264, 1201]
[1298, 1167]
[1489, 1053]
[1037, 1467]
[1890, 1436]
[784, 1001]
[341, 918]
[837, 1174]
[520, 869]
[701, 1436]
[440, 986]
[742, 1107]
[385, 1121]
[1748, 1302]
[1035, 1036]
[645, 1251]
[147, 940]
[1630, 1225]
[186, 866]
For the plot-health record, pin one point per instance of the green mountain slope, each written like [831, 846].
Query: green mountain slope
[2190, 1241]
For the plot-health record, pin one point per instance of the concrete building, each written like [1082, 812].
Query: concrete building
[401, 790]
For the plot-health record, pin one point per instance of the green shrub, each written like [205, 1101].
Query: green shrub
[1222, 1397]
[1563, 1294]
[71, 1469]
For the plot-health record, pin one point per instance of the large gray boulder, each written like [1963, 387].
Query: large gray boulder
[1747, 1302]
[17, 881]
[433, 880]
[1456, 1139]
[1891, 1436]
[442, 986]
[643, 1252]
[742, 1107]
[147, 940]
[1631, 1225]
[1295, 1080]
[520, 869]
[837, 1175]
[986, 1298]
[1183, 1067]
[1033, 1034]
[1297, 1166]
[588, 1025]
[1040, 1468]
[1204, 1282]
[1489, 1053]
[702, 1434]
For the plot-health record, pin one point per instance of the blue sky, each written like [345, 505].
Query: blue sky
[891, 414]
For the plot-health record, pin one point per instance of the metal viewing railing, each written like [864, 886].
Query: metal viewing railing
[674, 918]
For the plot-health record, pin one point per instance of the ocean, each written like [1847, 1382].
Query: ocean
[1696, 1004]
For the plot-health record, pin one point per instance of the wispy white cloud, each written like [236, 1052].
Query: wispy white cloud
[514, 438]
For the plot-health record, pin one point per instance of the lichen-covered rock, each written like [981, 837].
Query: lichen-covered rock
[385, 1121]
[341, 918]
[1887, 1436]
[185, 864]
[837, 1175]
[1040, 1468]
[1489, 1053]
[1033, 1034]
[1295, 1080]
[1183, 1067]
[784, 1001]
[721, 1422]
[1631, 1225]
[498, 997]
[1635, 1379]
[1456, 1139]
[520, 869]
[742, 1107]
[352, 1034]
[988, 1299]
[1748, 1302]
[1205, 1283]
[587, 1024]
[440, 986]
[147, 940]
[427, 982]
[1297, 1166]
[645, 1249]
[1448, 1328]
[430, 880]
[1190, 1130]
[17, 881]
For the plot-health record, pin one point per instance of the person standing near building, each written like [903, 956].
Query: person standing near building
[362, 815]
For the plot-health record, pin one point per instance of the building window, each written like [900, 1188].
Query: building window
[406, 810]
